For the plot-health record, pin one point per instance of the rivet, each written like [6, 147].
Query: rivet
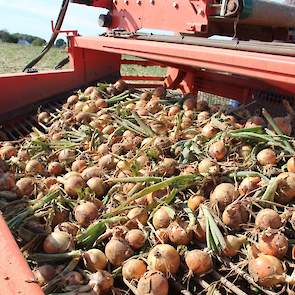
[126, 2]
[152, 2]
[175, 4]
[138, 2]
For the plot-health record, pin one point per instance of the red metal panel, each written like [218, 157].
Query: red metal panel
[16, 277]
[143, 78]
[278, 71]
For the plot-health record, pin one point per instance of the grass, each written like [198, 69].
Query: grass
[14, 57]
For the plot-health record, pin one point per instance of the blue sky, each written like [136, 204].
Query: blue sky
[34, 16]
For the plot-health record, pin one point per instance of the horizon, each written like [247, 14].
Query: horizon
[34, 19]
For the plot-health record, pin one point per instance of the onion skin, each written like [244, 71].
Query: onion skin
[217, 150]
[7, 152]
[101, 282]
[135, 238]
[266, 270]
[85, 213]
[67, 227]
[55, 168]
[25, 186]
[208, 131]
[57, 242]
[200, 230]
[79, 165]
[133, 269]
[34, 167]
[179, 233]
[266, 157]
[207, 166]
[199, 262]
[164, 258]
[268, 218]
[73, 184]
[223, 195]
[96, 184]
[249, 184]
[162, 218]
[153, 283]
[233, 245]
[73, 278]
[235, 215]
[138, 215]
[94, 260]
[254, 121]
[195, 201]
[91, 172]
[117, 251]
[275, 244]
[286, 188]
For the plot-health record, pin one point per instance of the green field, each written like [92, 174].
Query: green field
[14, 57]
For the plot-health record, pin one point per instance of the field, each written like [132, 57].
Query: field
[14, 57]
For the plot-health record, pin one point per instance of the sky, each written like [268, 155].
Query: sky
[33, 17]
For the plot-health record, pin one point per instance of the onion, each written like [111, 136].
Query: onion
[198, 262]
[79, 165]
[284, 125]
[68, 227]
[153, 106]
[138, 214]
[249, 184]
[179, 234]
[202, 105]
[186, 123]
[7, 182]
[95, 95]
[43, 117]
[161, 236]
[286, 188]
[268, 218]
[160, 92]
[233, 245]
[235, 215]
[164, 258]
[217, 150]
[120, 86]
[153, 283]
[189, 104]
[266, 157]
[162, 217]
[106, 162]
[209, 131]
[7, 152]
[223, 195]
[90, 107]
[117, 251]
[101, 282]
[83, 117]
[195, 201]
[59, 216]
[51, 183]
[55, 168]
[58, 242]
[85, 213]
[72, 100]
[94, 260]
[167, 167]
[103, 149]
[203, 116]
[254, 121]
[245, 151]
[133, 269]
[174, 110]
[266, 270]
[34, 167]
[96, 184]
[207, 166]
[162, 142]
[23, 155]
[275, 244]
[73, 278]
[291, 164]
[145, 96]
[100, 103]
[73, 184]
[66, 155]
[44, 273]
[135, 238]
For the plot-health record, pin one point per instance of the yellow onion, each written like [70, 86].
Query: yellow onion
[207, 166]
[266, 270]
[58, 242]
[254, 121]
[223, 195]
[217, 150]
[25, 186]
[162, 217]
[174, 110]
[200, 230]
[73, 278]
[198, 262]
[275, 244]
[85, 213]
[89, 90]
[44, 273]
[94, 260]
[179, 234]
[291, 164]
[233, 245]
[138, 214]
[286, 188]
[73, 184]
[164, 258]
[96, 184]
[101, 282]
[72, 99]
[66, 155]
[249, 184]
[135, 238]
[195, 201]
[268, 218]
[266, 157]
[209, 131]
[117, 250]
[153, 283]
[55, 168]
[68, 227]
[203, 116]
[34, 167]
[133, 269]
[7, 152]
[235, 215]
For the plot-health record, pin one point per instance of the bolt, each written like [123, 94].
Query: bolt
[175, 5]
[126, 2]
[152, 2]
[138, 2]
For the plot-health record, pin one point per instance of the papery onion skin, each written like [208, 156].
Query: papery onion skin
[94, 260]
[73, 185]
[85, 213]
[235, 215]
[161, 218]
[135, 238]
[249, 184]
[58, 242]
[199, 262]
[266, 157]
[153, 283]
[266, 270]
[223, 195]
[44, 273]
[133, 269]
[286, 188]
[217, 150]
[179, 234]
[164, 258]
[101, 282]
[268, 218]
